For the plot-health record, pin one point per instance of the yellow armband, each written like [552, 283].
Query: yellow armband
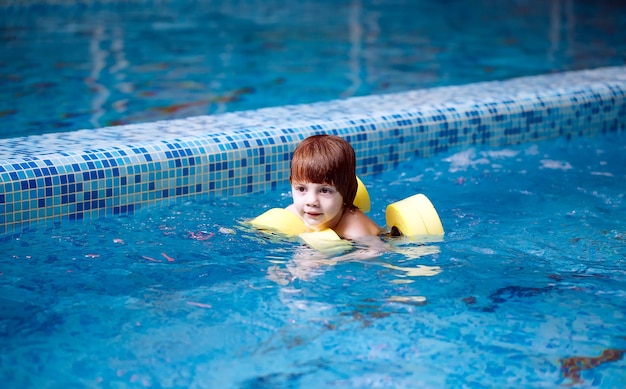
[414, 216]
[362, 198]
[280, 220]
[288, 223]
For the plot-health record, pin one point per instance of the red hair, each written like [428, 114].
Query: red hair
[326, 159]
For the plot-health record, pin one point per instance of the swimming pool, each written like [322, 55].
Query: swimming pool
[531, 273]
[154, 285]
[65, 67]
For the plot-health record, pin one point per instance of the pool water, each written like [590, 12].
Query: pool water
[529, 274]
[65, 67]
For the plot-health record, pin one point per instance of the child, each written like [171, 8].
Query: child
[323, 183]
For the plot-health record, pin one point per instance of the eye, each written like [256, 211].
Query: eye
[299, 188]
[326, 190]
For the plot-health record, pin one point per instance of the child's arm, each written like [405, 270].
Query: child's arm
[355, 225]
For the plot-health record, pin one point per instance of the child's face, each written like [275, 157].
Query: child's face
[319, 205]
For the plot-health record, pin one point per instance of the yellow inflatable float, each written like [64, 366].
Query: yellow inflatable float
[414, 217]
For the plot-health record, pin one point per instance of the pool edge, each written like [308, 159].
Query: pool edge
[119, 170]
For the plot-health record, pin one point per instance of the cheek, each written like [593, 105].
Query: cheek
[337, 204]
[340, 201]
[298, 200]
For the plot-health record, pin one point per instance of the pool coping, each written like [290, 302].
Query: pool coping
[118, 170]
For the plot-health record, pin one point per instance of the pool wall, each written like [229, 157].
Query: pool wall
[119, 170]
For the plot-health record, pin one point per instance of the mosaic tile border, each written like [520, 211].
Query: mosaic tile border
[117, 170]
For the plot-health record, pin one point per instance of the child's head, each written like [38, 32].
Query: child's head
[326, 159]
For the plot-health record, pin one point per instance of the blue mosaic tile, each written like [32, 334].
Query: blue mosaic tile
[115, 170]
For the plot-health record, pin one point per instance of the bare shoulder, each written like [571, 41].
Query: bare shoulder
[354, 224]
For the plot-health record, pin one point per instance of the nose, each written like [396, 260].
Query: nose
[311, 199]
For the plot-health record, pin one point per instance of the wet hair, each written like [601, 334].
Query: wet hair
[326, 159]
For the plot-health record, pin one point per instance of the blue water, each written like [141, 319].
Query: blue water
[68, 67]
[186, 296]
